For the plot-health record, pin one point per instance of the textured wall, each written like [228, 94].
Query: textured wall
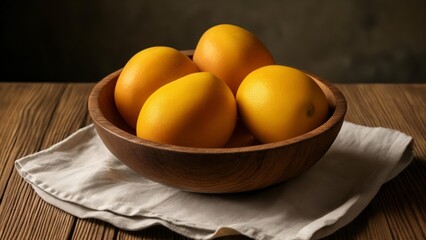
[343, 41]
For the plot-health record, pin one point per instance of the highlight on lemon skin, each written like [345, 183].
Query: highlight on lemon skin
[197, 110]
[144, 73]
[278, 102]
[230, 52]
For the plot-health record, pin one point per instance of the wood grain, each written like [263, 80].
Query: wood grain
[399, 107]
[35, 116]
[213, 170]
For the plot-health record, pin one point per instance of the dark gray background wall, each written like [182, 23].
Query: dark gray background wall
[342, 41]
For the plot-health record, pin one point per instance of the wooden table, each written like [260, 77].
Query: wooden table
[33, 116]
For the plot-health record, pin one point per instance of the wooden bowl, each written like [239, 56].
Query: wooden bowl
[213, 170]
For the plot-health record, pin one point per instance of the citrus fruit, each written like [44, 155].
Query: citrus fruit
[144, 73]
[230, 52]
[197, 110]
[278, 102]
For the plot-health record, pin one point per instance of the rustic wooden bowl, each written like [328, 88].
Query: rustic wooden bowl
[213, 170]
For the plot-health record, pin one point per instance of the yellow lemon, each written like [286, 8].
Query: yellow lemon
[278, 102]
[197, 110]
[144, 73]
[230, 52]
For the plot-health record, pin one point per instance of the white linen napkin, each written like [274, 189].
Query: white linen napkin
[80, 176]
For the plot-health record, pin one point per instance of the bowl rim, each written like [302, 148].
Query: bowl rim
[98, 117]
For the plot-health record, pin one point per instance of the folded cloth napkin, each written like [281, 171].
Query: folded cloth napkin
[80, 176]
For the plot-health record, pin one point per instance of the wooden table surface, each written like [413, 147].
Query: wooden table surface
[33, 116]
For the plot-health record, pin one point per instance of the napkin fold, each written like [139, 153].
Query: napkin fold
[80, 176]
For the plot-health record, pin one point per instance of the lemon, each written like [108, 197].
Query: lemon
[197, 110]
[278, 102]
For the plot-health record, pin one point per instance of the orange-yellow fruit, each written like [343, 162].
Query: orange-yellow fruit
[230, 52]
[241, 137]
[278, 102]
[144, 73]
[197, 110]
